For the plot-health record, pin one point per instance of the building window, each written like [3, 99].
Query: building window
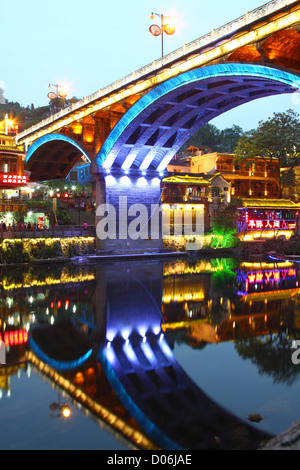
[9, 166]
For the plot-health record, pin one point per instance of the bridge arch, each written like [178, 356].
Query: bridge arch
[160, 122]
[53, 156]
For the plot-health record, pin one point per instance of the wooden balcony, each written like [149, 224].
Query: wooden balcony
[257, 194]
[184, 199]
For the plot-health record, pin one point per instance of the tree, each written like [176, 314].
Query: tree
[225, 225]
[276, 140]
[212, 139]
[229, 138]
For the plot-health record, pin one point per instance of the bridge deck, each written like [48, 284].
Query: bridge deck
[203, 43]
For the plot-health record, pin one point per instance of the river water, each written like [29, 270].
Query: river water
[226, 328]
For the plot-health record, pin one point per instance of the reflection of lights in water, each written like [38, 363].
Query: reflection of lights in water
[128, 347]
[149, 353]
[110, 355]
[110, 335]
[128, 350]
[125, 334]
[156, 330]
[165, 348]
[63, 410]
[66, 411]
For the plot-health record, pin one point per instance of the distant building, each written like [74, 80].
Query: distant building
[263, 214]
[13, 178]
[247, 179]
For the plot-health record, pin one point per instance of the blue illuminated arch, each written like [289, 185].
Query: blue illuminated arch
[106, 158]
[52, 137]
[58, 365]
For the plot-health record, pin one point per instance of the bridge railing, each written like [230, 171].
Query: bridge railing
[214, 35]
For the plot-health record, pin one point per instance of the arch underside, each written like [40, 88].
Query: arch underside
[53, 157]
[163, 124]
[159, 123]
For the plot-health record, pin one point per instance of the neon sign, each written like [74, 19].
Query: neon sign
[13, 338]
[284, 278]
[7, 178]
[270, 224]
[268, 276]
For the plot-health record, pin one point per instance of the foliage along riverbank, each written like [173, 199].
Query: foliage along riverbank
[27, 250]
[18, 251]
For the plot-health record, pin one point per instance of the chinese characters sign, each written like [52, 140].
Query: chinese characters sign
[270, 224]
[13, 338]
[7, 178]
[281, 279]
[268, 276]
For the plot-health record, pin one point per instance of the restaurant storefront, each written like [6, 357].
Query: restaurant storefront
[13, 180]
[264, 218]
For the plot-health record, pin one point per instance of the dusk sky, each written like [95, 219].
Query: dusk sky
[88, 45]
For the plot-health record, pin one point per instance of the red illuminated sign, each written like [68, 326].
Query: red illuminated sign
[270, 224]
[268, 276]
[7, 178]
[13, 338]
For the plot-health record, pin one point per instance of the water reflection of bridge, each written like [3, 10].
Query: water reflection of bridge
[114, 357]
[157, 403]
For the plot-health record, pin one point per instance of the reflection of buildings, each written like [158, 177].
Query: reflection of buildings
[262, 298]
[6, 373]
[30, 297]
[132, 379]
[265, 293]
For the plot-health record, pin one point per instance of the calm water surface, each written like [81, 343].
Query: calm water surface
[228, 325]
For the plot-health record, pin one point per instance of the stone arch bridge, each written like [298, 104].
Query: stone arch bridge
[131, 129]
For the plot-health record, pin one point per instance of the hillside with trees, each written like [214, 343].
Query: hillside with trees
[26, 116]
[212, 139]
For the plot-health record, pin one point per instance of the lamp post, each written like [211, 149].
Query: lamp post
[61, 92]
[156, 30]
[8, 124]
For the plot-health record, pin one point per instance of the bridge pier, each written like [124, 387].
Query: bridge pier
[128, 217]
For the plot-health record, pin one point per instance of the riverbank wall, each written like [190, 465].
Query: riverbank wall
[20, 250]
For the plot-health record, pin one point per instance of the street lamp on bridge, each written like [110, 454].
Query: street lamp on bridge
[61, 92]
[165, 27]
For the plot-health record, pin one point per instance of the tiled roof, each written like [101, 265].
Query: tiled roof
[270, 203]
[180, 179]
